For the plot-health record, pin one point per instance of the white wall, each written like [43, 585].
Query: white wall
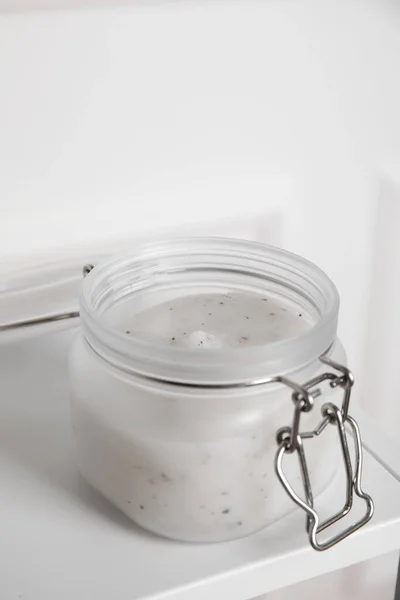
[382, 350]
[158, 113]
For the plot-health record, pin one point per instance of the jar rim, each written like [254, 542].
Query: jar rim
[215, 365]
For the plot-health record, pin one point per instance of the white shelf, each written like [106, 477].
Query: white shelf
[60, 540]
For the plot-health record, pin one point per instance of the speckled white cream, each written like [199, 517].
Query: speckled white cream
[215, 320]
[188, 464]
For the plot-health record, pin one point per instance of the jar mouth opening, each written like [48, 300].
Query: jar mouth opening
[190, 263]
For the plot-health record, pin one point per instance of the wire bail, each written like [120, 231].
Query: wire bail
[290, 440]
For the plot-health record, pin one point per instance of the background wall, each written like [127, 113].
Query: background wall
[159, 113]
[128, 120]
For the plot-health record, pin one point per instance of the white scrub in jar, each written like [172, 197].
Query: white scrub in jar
[196, 465]
[215, 320]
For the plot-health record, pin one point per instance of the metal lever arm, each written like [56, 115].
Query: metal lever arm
[290, 440]
[48, 318]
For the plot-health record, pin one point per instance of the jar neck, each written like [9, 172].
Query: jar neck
[189, 263]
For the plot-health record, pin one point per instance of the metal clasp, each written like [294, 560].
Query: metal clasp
[290, 440]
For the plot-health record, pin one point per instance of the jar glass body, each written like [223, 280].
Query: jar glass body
[191, 456]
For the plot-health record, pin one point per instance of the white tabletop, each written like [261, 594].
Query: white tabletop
[60, 540]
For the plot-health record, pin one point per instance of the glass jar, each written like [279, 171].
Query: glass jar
[174, 391]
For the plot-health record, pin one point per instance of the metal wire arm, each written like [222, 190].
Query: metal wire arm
[27, 323]
[290, 440]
